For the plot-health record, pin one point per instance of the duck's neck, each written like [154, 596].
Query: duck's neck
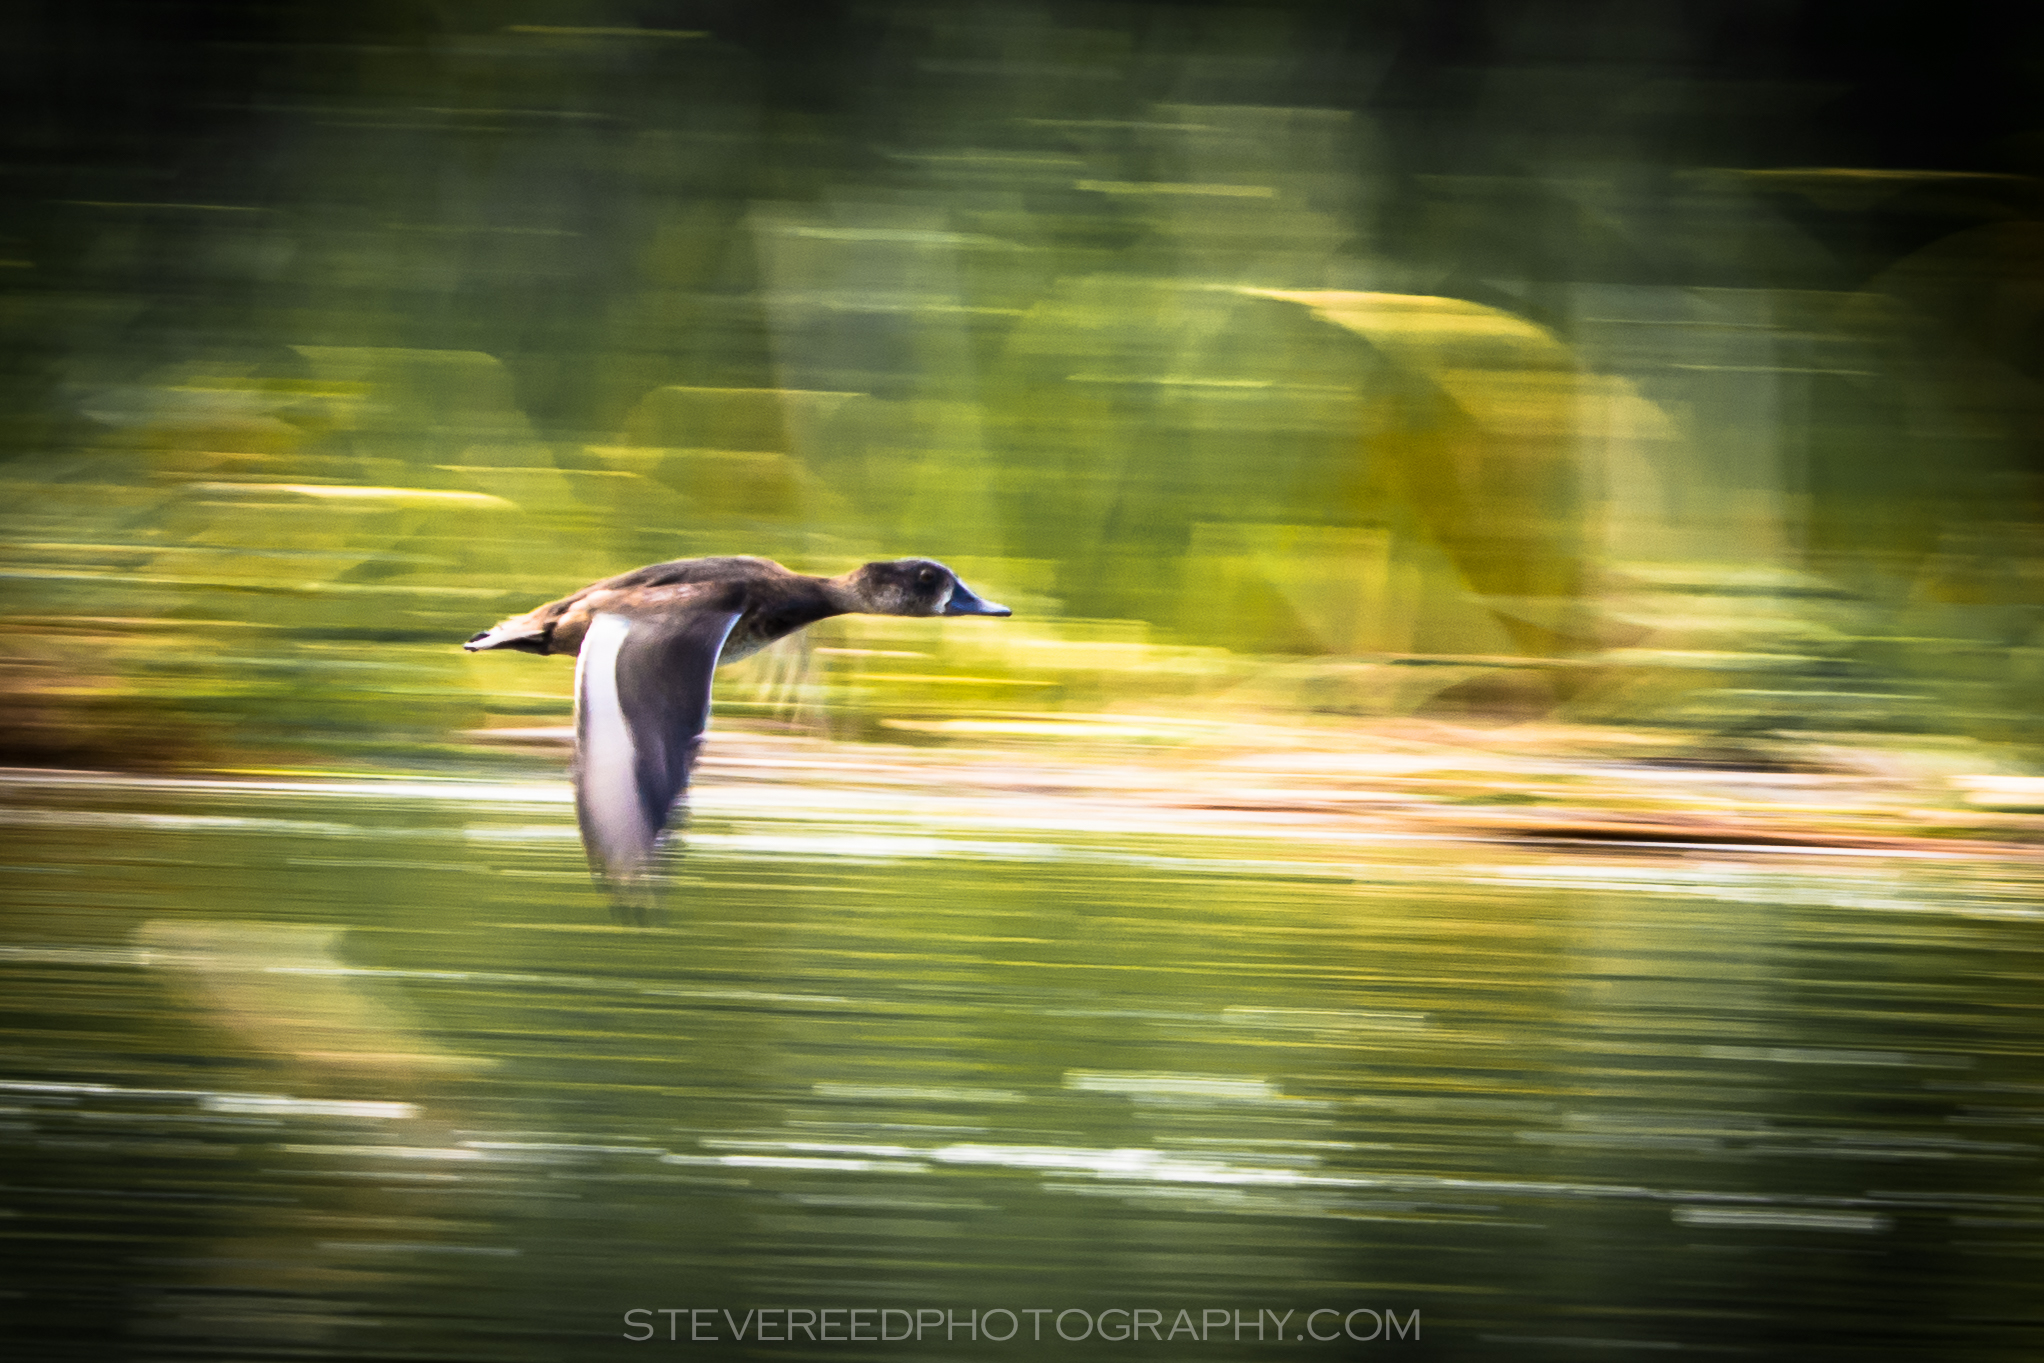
[844, 595]
[781, 613]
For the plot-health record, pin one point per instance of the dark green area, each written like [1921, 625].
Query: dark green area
[1721, 379]
[1774, 1106]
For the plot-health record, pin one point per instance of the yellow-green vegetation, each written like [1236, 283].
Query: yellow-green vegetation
[1223, 399]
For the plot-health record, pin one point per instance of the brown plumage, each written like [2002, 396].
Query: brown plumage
[646, 644]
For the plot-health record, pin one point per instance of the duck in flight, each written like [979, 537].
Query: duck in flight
[645, 645]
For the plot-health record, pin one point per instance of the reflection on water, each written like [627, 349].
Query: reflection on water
[347, 1068]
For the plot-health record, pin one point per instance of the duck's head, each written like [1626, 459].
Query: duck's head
[913, 586]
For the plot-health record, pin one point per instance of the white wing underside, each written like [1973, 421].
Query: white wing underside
[642, 700]
[606, 771]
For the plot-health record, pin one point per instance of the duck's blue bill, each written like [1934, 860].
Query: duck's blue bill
[963, 602]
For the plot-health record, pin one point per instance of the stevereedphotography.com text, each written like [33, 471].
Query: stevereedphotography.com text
[1000, 1325]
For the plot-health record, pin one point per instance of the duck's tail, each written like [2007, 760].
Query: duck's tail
[522, 633]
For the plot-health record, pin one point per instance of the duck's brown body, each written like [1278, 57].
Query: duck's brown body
[646, 644]
[771, 602]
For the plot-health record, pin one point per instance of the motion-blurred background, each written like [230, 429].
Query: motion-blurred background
[1510, 790]
[1676, 366]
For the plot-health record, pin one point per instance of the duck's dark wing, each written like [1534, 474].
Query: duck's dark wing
[642, 697]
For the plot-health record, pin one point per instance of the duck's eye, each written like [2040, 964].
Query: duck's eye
[928, 577]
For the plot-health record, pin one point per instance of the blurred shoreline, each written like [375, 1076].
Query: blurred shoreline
[1581, 787]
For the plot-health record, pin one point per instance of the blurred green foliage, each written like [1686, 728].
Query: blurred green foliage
[1500, 369]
